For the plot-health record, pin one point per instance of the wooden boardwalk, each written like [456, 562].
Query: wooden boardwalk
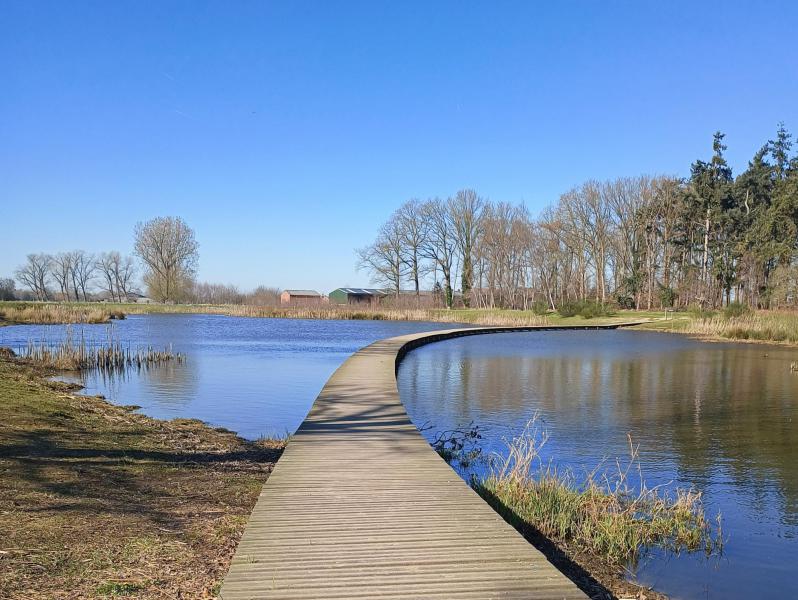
[360, 506]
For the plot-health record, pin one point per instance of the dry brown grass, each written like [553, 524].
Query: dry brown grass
[471, 316]
[78, 355]
[761, 326]
[97, 501]
[55, 313]
[348, 313]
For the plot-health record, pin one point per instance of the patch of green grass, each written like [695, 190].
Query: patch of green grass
[115, 588]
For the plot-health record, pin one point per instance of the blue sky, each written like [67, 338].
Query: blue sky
[285, 133]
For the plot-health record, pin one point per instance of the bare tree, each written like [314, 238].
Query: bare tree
[7, 289]
[125, 275]
[385, 258]
[263, 296]
[33, 275]
[169, 250]
[61, 268]
[441, 243]
[466, 210]
[215, 293]
[117, 273]
[414, 233]
[84, 267]
[106, 266]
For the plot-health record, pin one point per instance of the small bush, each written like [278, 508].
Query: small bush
[595, 309]
[587, 309]
[540, 307]
[735, 309]
[115, 588]
[698, 312]
[627, 302]
[569, 309]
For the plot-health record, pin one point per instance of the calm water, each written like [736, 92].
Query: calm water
[719, 417]
[254, 376]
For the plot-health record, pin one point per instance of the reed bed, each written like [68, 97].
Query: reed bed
[111, 355]
[364, 313]
[766, 326]
[56, 313]
[101, 313]
[603, 515]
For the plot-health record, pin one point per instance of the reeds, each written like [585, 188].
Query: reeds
[351, 313]
[774, 326]
[603, 514]
[111, 355]
[54, 313]
[481, 317]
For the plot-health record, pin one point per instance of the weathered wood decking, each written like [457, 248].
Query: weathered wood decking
[360, 506]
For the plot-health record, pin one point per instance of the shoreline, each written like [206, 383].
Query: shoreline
[652, 320]
[99, 500]
[715, 339]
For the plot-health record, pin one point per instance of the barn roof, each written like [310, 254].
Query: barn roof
[364, 291]
[302, 292]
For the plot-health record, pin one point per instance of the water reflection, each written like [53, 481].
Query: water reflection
[720, 417]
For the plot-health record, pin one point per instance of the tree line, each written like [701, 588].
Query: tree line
[164, 261]
[76, 275]
[167, 252]
[706, 240]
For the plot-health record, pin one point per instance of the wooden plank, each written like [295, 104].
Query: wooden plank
[360, 506]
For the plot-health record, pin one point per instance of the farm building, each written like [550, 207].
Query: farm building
[302, 298]
[357, 296]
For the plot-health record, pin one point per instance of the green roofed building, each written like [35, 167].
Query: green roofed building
[343, 296]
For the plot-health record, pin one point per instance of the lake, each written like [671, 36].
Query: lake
[719, 417]
[257, 377]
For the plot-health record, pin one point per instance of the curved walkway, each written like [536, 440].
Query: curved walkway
[360, 506]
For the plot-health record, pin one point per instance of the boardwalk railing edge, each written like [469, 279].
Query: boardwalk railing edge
[440, 335]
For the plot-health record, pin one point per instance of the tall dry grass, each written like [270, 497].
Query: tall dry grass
[773, 326]
[364, 313]
[73, 354]
[55, 313]
[603, 514]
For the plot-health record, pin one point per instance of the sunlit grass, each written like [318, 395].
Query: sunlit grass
[601, 514]
[54, 313]
[760, 326]
[73, 354]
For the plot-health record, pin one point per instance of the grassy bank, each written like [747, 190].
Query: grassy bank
[97, 501]
[593, 528]
[760, 326]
